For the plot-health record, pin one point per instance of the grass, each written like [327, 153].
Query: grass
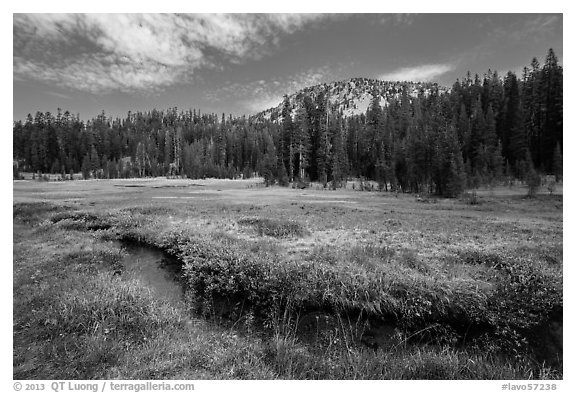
[274, 228]
[405, 290]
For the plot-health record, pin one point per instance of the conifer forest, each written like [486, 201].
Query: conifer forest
[482, 130]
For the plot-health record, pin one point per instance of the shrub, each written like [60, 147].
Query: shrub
[516, 280]
[216, 272]
[301, 183]
[82, 221]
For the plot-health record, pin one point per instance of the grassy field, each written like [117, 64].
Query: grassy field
[286, 283]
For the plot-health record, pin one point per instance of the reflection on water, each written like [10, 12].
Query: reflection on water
[156, 270]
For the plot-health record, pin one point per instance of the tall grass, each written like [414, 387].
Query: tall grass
[73, 315]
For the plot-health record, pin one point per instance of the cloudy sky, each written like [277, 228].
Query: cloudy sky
[244, 63]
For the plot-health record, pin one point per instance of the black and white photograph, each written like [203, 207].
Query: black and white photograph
[286, 196]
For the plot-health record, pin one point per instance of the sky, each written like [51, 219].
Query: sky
[244, 63]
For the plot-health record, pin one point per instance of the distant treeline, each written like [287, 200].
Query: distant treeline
[482, 131]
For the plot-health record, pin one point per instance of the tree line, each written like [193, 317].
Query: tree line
[483, 130]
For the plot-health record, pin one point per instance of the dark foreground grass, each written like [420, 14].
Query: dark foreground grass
[75, 319]
[82, 322]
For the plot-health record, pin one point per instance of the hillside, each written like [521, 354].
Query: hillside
[352, 96]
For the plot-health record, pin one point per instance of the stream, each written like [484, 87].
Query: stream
[161, 274]
[157, 271]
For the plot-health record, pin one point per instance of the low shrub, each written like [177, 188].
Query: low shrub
[526, 295]
[301, 183]
[270, 285]
[82, 221]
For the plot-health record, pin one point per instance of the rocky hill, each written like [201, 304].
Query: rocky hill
[353, 96]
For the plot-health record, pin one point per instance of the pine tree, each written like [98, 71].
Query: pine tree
[447, 165]
[168, 149]
[282, 175]
[323, 151]
[178, 144]
[269, 162]
[94, 160]
[478, 134]
[339, 161]
[86, 167]
[373, 138]
[496, 163]
[557, 162]
[302, 142]
[140, 159]
[455, 178]
[552, 103]
[532, 177]
[514, 142]
[288, 137]
[464, 133]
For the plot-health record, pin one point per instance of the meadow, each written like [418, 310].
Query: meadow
[285, 283]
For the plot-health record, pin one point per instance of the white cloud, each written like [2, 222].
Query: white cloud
[262, 94]
[539, 25]
[141, 51]
[100, 74]
[422, 73]
[264, 102]
[59, 95]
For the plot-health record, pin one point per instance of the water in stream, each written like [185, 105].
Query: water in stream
[161, 274]
[156, 270]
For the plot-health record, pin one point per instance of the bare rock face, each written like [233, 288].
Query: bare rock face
[353, 96]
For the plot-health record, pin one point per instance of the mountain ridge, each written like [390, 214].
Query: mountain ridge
[353, 96]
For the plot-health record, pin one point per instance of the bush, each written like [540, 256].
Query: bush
[508, 312]
[82, 221]
[301, 183]
[269, 285]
